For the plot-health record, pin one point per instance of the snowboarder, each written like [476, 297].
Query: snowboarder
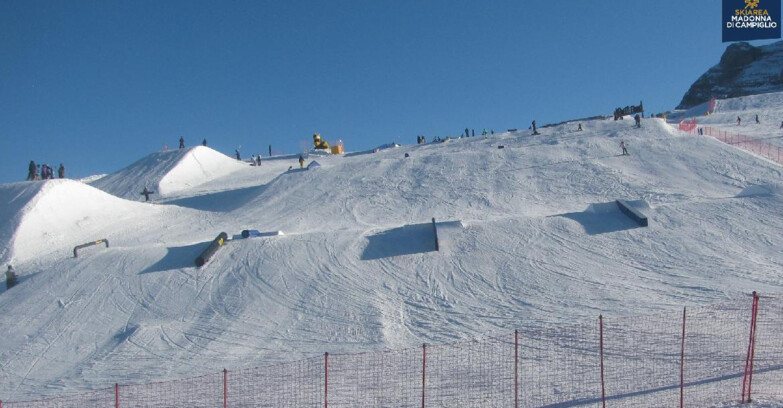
[204, 142]
[638, 120]
[301, 162]
[739, 121]
[10, 277]
[624, 147]
[181, 142]
[61, 171]
[146, 193]
[579, 128]
[32, 170]
[236, 151]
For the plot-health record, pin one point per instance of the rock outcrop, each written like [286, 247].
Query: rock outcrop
[743, 70]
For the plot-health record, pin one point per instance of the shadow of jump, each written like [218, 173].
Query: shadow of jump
[177, 258]
[601, 219]
[405, 240]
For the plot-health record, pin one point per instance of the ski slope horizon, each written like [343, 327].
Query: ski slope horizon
[529, 232]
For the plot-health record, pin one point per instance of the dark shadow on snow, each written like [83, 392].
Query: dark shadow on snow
[609, 219]
[178, 258]
[405, 240]
[223, 201]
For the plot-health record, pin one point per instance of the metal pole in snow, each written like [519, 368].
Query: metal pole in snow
[516, 369]
[326, 380]
[601, 345]
[225, 388]
[749, 357]
[682, 361]
[423, 371]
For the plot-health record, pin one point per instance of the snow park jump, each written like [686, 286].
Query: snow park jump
[211, 249]
[632, 213]
[89, 244]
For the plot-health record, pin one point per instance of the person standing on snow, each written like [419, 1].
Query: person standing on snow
[10, 277]
[146, 193]
[534, 127]
[301, 162]
[61, 171]
[739, 121]
[638, 120]
[236, 151]
[204, 142]
[181, 142]
[624, 147]
[32, 170]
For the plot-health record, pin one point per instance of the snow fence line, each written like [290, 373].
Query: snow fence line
[211, 249]
[757, 146]
[89, 244]
[701, 356]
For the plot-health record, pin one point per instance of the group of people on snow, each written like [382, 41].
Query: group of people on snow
[43, 172]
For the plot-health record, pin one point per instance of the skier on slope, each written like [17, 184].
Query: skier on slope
[181, 142]
[638, 120]
[61, 171]
[301, 162]
[739, 121]
[624, 147]
[10, 277]
[146, 193]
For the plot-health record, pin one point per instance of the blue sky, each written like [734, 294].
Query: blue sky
[97, 85]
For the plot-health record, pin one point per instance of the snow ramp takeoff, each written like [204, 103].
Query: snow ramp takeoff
[169, 173]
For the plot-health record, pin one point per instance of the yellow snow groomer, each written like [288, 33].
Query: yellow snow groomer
[320, 144]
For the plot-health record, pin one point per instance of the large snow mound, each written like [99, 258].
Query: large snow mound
[169, 172]
[50, 216]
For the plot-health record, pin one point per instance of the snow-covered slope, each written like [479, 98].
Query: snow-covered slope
[169, 172]
[529, 237]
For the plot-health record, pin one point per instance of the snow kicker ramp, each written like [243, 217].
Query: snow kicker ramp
[169, 173]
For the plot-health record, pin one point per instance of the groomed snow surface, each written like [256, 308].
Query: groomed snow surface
[529, 236]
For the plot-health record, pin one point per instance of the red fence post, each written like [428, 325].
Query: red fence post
[225, 388]
[326, 380]
[682, 362]
[423, 371]
[516, 370]
[116, 395]
[601, 347]
[748, 376]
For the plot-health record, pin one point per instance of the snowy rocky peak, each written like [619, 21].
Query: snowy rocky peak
[743, 70]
